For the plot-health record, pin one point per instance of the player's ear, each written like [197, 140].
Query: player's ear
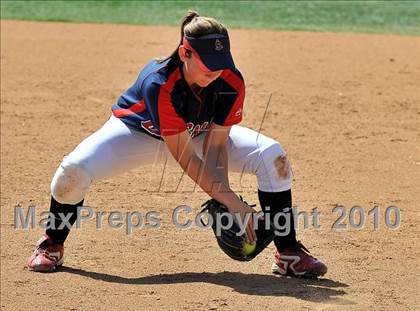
[183, 53]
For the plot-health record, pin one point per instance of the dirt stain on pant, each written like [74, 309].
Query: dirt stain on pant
[283, 167]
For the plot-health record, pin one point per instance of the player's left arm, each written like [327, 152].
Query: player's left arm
[215, 153]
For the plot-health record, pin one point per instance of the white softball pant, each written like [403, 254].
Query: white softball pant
[116, 148]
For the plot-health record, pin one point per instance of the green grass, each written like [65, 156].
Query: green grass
[400, 17]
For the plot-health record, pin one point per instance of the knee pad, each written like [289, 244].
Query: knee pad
[70, 183]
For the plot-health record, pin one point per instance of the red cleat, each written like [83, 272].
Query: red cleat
[297, 261]
[47, 255]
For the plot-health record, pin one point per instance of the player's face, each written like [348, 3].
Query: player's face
[195, 73]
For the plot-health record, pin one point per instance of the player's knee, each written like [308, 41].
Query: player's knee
[70, 183]
[276, 161]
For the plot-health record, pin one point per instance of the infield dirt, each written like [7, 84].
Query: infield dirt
[346, 107]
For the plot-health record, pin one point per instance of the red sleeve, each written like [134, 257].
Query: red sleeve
[236, 82]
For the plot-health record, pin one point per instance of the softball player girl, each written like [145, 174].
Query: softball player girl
[191, 102]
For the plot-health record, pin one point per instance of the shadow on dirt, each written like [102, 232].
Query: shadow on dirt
[316, 290]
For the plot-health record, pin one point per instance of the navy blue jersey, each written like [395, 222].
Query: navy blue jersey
[161, 103]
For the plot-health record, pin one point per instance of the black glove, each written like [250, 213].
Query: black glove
[229, 240]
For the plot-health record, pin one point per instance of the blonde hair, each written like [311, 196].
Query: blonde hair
[194, 25]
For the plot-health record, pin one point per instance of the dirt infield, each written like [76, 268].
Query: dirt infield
[346, 107]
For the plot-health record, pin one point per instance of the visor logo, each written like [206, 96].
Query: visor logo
[218, 45]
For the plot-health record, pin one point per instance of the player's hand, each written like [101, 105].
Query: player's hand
[243, 210]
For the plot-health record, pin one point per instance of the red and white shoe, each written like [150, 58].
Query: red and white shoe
[297, 261]
[47, 255]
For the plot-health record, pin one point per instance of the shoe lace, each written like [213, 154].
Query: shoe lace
[43, 247]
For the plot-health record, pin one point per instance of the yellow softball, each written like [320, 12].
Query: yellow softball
[249, 248]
